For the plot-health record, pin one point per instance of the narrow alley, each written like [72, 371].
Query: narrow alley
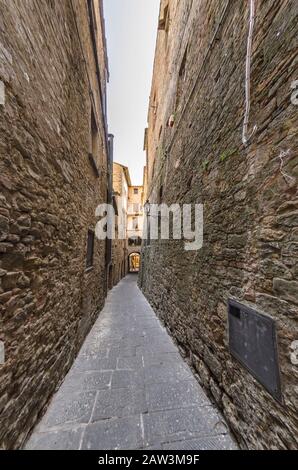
[130, 389]
[148, 227]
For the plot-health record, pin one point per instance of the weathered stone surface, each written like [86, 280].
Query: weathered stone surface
[249, 197]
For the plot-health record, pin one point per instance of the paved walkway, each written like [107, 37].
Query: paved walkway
[130, 389]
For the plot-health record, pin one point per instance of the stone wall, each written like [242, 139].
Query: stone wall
[249, 197]
[49, 189]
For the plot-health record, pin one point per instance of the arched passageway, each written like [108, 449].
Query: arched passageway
[134, 262]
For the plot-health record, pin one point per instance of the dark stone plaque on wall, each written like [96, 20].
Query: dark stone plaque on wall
[252, 340]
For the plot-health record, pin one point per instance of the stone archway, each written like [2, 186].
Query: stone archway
[134, 260]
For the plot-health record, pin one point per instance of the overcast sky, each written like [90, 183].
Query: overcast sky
[131, 29]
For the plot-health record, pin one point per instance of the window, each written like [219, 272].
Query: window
[160, 194]
[136, 190]
[164, 21]
[91, 14]
[148, 240]
[160, 132]
[90, 249]
[134, 208]
[95, 144]
[145, 137]
[135, 241]
[94, 134]
[135, 223]
[181, 79]
[154, 107]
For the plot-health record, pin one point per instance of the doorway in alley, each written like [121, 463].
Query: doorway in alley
[134, 262]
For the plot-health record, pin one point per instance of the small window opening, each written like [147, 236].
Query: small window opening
[160, 132]
[164, 21]
[135, 223]
[181, 79]
[160, 194]
[94, 134]
[94, 155]
[135, 241]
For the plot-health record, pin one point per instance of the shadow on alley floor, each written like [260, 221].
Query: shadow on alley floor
[130, 389]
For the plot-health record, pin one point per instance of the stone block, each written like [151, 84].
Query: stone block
[4, 228]
[10, 280]
[287, 290]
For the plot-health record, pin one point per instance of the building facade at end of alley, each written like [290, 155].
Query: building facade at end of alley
[222, 132]
[128, 201]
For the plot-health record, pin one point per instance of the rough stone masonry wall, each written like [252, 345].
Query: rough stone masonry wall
[251, 208]
[47, 201]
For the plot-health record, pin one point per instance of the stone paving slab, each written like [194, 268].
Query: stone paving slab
[159, 373]
[129, 388]
[120, 402]
[114, 434]
[56, 440]
[68, 407]
[86, 381]
[170, 396]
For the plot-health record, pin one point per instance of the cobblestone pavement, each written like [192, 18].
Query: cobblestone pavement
[130, 389]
